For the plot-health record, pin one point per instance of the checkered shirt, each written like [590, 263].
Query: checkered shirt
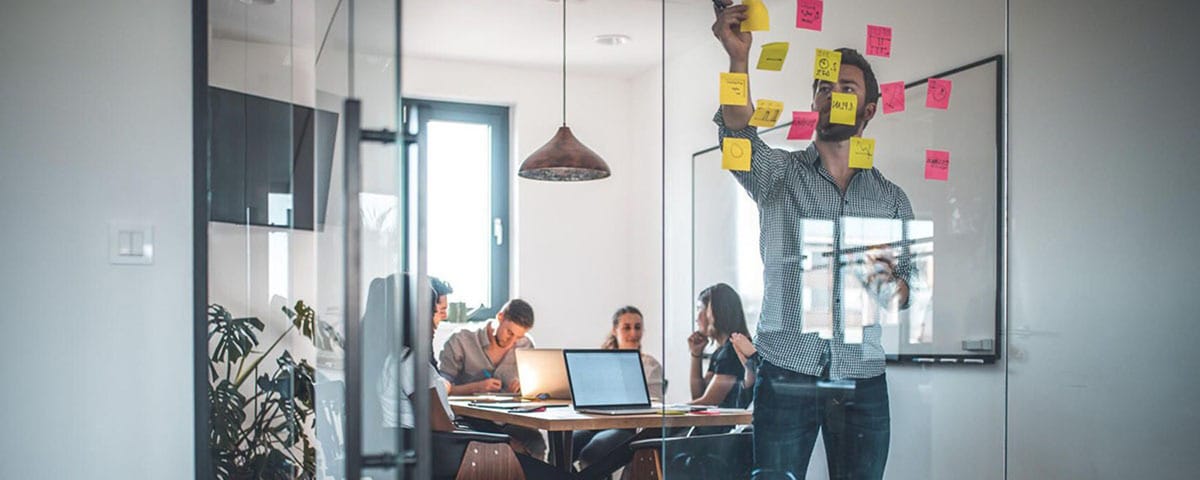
[788, 187]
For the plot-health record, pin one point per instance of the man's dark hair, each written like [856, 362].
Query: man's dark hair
[519, 311]
[851, 56]
[440, 288]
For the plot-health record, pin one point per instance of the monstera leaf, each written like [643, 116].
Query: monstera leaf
[235, 336]
[303, 318]
[228, 414]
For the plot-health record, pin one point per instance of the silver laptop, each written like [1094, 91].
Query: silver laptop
[607, 382]
[542, 373]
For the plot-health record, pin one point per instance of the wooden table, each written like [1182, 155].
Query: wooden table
[559, 422]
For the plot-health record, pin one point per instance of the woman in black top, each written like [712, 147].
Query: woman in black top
[719, 318]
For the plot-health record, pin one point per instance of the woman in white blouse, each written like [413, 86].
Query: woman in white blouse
[626, 334]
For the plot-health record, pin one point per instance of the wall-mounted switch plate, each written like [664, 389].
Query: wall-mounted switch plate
[130, 244]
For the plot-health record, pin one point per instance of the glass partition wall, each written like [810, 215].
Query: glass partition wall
[310, 250]
[866, 251]
[765, 323]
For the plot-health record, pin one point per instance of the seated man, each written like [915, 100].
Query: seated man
[441, 416]
[483, 361]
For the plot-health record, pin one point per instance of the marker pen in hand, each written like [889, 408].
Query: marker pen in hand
[718, 5]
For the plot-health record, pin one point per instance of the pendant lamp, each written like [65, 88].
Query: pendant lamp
[564, 158]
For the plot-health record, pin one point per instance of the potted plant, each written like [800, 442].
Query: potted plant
[260, 434]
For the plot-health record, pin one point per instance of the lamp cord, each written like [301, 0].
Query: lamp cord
[564, 62]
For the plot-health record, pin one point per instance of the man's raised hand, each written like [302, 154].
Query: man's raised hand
[728, 29]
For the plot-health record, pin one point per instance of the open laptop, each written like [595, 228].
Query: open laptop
[607, 382]
[542, 372]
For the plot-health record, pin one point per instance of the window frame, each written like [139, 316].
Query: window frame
[497, 117]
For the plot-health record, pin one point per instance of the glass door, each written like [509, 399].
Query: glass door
[311, 244]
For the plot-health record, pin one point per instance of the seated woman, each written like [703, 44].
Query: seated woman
[626, 334]
[720, 317]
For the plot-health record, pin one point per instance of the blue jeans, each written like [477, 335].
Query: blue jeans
[790, 408]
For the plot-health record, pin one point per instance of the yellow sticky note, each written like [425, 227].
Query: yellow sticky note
[733, 88]
[766, 113]
[735, 154]
[842, 108]
[757, 19]
[772, 56]
[827, 65]
[862, 152]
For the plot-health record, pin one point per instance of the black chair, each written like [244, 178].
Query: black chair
[704, 457]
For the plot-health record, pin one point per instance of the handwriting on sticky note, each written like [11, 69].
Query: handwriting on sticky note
[733, 88]
[803, 125]
[937, 165]
[938, 94]
[827, 65]
[735, 154]
[862, 152]
[809, 14]
[879, 40]
[842, 108]
[757, 19]
[892, 95]
[772, 56]
[766, 113]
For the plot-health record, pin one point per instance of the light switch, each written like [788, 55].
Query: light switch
[130, 244]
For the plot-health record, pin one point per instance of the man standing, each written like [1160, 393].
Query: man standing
[806, 384]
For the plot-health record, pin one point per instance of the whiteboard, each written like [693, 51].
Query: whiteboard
[957, 317]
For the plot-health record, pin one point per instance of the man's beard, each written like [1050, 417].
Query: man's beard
[836, 132]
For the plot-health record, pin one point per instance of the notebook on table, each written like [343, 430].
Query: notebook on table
[607, 382]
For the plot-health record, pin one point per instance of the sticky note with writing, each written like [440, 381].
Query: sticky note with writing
[937, 165]
[879, 40]
[733, 88]
[735, 154]
[827, 65]
[757, 19]
[938, 94]
[892, 95]
[772, 56]
[803, 124]
[842, 108]
[862, 152]
[809, 14]
[766, 113]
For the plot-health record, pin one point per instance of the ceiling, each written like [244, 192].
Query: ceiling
[523, 33]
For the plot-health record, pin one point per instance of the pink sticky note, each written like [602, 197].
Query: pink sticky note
[938, 94]
[937, 165]
[809, 14]
[803, 124]
[892, 95]
[879, 40]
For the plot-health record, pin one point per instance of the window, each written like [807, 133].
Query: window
[466, 150]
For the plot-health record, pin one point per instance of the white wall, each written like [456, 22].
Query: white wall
[1102, 377]
[95, 126]
[580, 250]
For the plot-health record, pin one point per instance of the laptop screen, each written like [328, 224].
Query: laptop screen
[606, 378]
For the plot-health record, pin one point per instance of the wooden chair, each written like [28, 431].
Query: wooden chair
[724, 456]
[469, 455]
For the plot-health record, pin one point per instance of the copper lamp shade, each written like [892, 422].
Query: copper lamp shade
[564, 159]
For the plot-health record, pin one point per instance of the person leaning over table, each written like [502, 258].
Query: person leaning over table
[484, 361]
[626, 334]
[441, 416]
